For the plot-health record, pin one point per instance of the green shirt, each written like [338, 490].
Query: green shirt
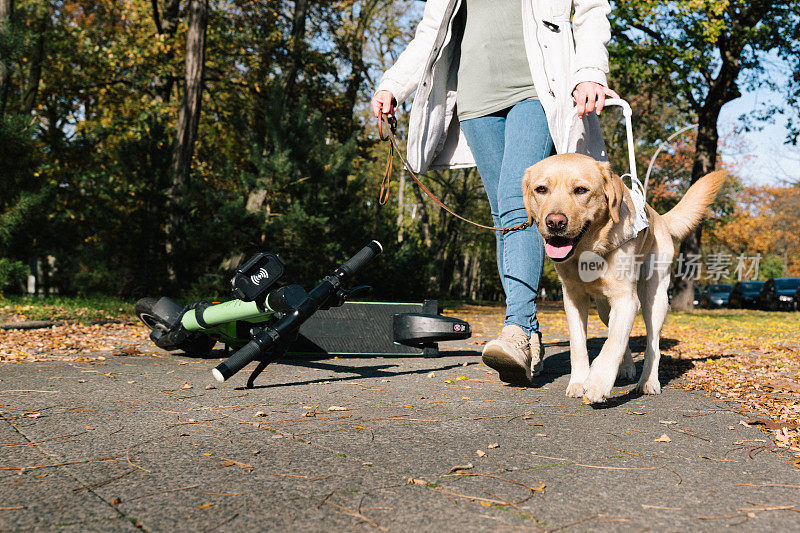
[493, 72]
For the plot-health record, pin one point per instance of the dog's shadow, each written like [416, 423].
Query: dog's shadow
[558, 365]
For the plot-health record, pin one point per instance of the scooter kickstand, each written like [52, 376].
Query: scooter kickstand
[262, 364]
[279, 351]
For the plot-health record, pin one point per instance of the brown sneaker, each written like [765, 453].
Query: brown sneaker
[510, 355]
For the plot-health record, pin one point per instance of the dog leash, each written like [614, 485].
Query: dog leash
[386, 132]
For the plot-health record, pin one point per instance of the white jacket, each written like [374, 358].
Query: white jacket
[560, 55]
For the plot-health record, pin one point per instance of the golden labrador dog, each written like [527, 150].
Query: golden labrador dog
[585, 215]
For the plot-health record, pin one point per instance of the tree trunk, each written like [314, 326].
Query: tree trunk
[297, 44]
[355, 56]
[6, 21]
[722, 90]
[166, 25]
[705, 159]
[423, 216]
[188, 120]
[37, 55]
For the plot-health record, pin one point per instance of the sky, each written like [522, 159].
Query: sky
[763, 156]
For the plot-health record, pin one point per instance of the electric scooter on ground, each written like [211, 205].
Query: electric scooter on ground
[263, 321]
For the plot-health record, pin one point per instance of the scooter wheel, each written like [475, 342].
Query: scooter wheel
[144, 309]
[158, 317]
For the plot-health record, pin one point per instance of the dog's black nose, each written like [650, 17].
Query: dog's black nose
[556, 222]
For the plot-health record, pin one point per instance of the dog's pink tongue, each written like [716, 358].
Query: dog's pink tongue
[558, 250]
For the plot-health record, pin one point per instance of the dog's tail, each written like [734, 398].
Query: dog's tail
[685, 216]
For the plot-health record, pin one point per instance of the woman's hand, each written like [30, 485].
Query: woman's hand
[589, 96]
[384, 102]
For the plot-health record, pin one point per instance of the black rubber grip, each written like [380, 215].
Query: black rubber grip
[240, 359]
[364, 256]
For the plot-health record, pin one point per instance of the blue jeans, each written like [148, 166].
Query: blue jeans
[504, 144]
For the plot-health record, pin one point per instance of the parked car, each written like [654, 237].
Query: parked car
[716, 295]
[777, 294]
[745, 295]
[696, 301]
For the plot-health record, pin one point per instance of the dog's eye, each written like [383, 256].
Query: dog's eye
[541, 189]
[580, 190]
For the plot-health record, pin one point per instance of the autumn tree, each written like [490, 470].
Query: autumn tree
[766, 221]
[703, 53]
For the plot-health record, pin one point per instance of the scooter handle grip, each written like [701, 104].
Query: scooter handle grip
[251, 351]
[364, 256]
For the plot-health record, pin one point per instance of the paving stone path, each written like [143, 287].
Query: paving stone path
[386, 444]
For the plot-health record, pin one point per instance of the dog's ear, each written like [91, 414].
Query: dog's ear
[526, 194]
[613, 189]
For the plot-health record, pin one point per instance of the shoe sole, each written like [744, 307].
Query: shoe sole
[510, 370]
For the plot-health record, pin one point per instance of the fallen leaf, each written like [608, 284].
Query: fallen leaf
[448, 381]
[541, 434]
[310, 414]
[186, 385]
[493, 445]
[209, 387]
[230, 462]
[205, 505]
[414, 481]
[663, 438]
[432, 375]
[481, 453]
[337, 408]
[467, 466]
[637, 412]
[461, 378]
[774, 424]
[260, 413]
[129, 351]
[116, 501]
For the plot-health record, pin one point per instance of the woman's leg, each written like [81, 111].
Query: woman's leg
[527, 141]
[486, 139]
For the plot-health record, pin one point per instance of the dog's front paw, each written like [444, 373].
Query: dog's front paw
[595, 394]
[649, 387]
[575, 390]
[627, 370]
[595, 390]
